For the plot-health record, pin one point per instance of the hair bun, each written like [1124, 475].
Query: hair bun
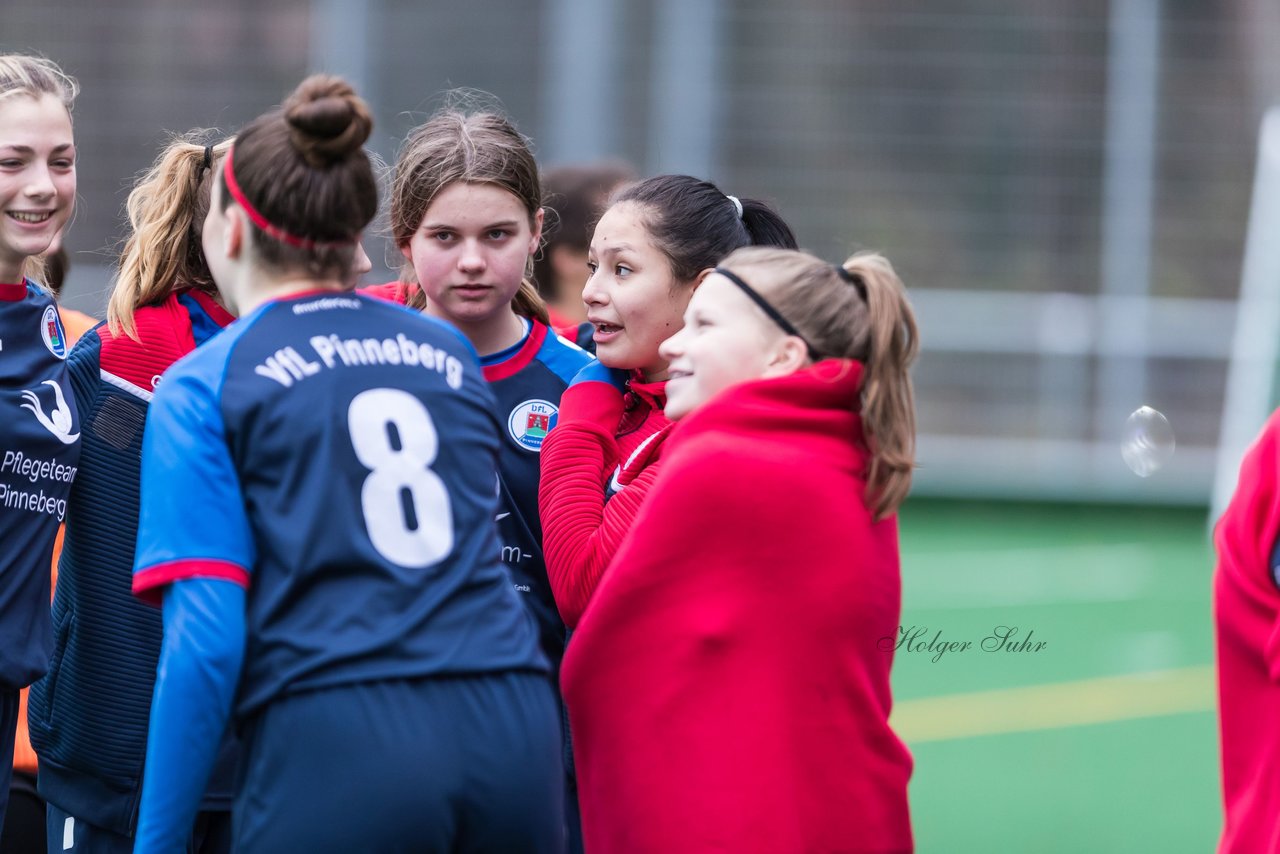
[327, 120]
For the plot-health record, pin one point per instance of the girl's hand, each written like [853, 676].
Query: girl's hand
[595, 396]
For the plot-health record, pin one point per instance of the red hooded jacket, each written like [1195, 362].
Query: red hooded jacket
[728, 689]
[1247, 615]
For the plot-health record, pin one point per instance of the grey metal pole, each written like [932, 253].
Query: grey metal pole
[582, 98]
[685, 92]
[340, 40]
[1133, 65]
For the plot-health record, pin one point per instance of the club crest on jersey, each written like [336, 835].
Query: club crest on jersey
[51, 330]
[529, 423]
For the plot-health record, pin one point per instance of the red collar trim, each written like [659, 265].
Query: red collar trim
[654, 394]
[396, 292]
[13, 293]
[220, 315]
[521, 358]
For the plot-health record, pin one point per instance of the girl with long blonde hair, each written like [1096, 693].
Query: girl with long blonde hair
[90, 733]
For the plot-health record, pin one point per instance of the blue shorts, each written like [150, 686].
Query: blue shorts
[65, 832]
[459, 763]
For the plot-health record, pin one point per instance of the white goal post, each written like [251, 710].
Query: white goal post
[1248, 399]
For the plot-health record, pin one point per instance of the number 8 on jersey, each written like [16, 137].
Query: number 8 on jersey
[405, 504]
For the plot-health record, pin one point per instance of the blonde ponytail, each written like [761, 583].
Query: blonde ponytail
[888, 407]
[860, 313]
[166, 212]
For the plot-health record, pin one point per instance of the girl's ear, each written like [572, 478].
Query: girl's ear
[789, 355]
[535, 240]
[406, 251]
[702, 277]
[233, 238]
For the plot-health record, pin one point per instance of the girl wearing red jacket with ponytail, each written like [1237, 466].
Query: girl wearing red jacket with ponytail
[656, 242]
[728, 688]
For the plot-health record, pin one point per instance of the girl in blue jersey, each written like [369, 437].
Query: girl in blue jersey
[344, 588]
[466, 213]
[39, 422]
[88, 718]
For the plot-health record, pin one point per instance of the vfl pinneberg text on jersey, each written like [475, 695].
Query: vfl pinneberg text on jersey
[288, 366]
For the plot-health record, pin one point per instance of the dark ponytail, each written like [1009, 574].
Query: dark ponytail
[696, 225]
[765, 226]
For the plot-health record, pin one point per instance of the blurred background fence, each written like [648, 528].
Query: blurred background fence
[1063, 184]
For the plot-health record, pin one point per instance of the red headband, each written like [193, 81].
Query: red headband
[261, 221]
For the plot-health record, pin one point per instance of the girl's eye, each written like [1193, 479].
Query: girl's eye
[622, 271]
[498, 234]
[592, 266]
[10, 164]
[442, 236]
[63, 164]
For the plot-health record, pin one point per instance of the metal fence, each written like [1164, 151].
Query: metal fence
[1064, 186]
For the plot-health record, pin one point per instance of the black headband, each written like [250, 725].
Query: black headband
[777, 318]
[853, 279]
[208, 157]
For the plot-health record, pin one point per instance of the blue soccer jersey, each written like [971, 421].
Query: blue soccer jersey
[528, 380]
[39, 452]
[336, 455]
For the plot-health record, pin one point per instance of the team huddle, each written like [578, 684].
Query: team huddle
[402, 567]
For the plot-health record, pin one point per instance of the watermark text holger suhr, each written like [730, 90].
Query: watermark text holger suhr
[918, 639]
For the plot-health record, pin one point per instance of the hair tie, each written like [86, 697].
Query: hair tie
[256, 217]
[737, 205]
[853, 279]
[208, 157]
[774, 314]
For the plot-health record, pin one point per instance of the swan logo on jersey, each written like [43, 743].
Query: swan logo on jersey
[58, 419]
[51, 330]
[529, 423]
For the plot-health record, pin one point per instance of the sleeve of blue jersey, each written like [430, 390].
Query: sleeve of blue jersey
[199, 667]
[192, 522]
[563, 357]
[84, 363]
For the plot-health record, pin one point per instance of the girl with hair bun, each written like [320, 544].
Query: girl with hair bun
[765, 559]
[90, 733]
[39, 422]
[343, 589]
[652, 247]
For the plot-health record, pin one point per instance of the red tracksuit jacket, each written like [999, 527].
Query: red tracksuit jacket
[1247, 614]
[728, 688]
